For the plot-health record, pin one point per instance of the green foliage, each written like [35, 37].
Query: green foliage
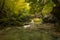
[18, 12]
[59, 1]
[48, 8]
[14, 13]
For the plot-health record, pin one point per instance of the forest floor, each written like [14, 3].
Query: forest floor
[18, 33]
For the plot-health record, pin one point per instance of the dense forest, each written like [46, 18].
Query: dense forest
[29, 19]
[19, 12]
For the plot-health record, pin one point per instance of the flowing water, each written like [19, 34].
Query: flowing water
[26, 34]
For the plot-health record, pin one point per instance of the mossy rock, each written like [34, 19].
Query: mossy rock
[37, 20]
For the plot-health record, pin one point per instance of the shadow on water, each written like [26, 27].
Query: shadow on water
[25, 34]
